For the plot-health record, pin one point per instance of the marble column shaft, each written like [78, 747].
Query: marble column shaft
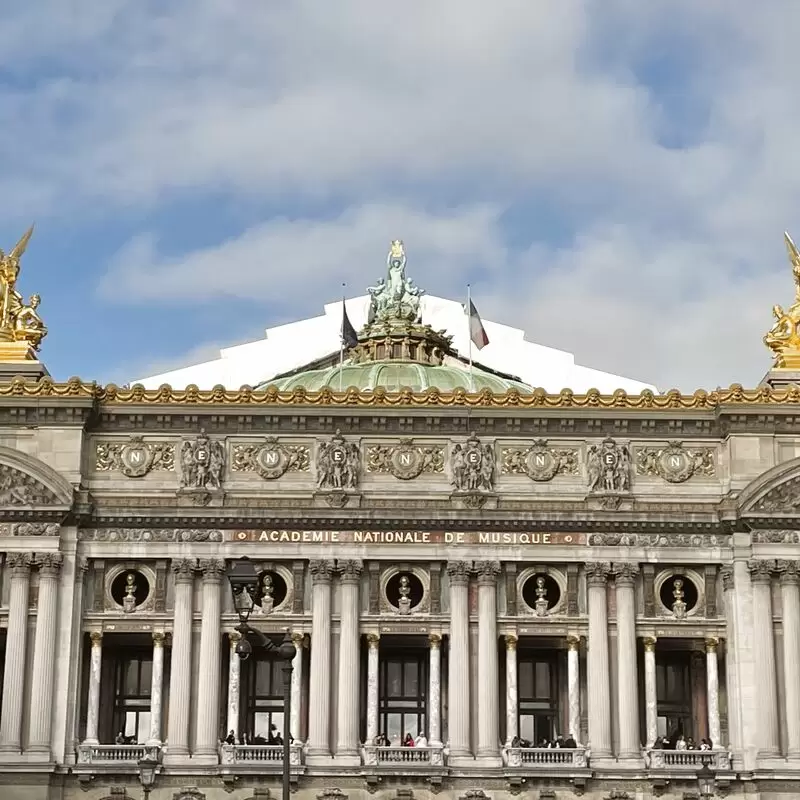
[44, 653]
[573, 688]
[764, 642]
[234, 683]
[712, 691]
[598, 688]
[156, 688]
[180, 683]
[16, 643]
[347, 738]
[512, 690]
[373, 679]
[488, 697]
[790, 597]
[650, 692]
[95, 672]
[319, 702]
[627, 680]
[435, 691]
[458, 700]
[298, 640]
[207, 736]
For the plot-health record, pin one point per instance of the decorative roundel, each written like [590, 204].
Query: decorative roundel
[272, 590]
[540, 463]
[272, 460]
[130, 589]
[406, 461]
[404, 591]
[678, 594]
[541, 593]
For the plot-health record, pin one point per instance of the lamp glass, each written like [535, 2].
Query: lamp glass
[706, 781]
[243, 579]
[147, 771]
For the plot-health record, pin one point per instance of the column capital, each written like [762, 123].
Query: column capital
[49, 564]
[789, 571]
[20, 564]
[573, 643]
[597, 572]
[321, 570]
[435, 641]
[459, 572]
[183, 569]
[234, 637]
[96, 637]
[726, 573]
[487, 572]
[511, 641]
[349, 570]
[625, 573]
[761, 570]
[649, 644]
[212, 569]
[158, 638]
[298, 640]
[712, 643]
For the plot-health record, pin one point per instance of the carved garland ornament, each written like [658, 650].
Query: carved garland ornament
[674, 463]
[540, 462]
[150, 535]
[134, 458]
[29, 529]
[405, 460]
[658, 540]
[17, 488]
[270, 460]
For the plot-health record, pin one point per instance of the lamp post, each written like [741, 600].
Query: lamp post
[148, 767]
[245, 587]
[706, 781]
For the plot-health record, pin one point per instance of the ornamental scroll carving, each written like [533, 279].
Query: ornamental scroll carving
[134, 458]
[150, 535]
[539, 461]
[30, 529]
[272, 459]
[775, 537]
[17, 488]
[405, 460]
[675, 463]
[658, 540]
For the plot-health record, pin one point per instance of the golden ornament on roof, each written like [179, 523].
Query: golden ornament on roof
[21, 327]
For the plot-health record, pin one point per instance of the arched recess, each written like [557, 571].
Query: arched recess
[776, 492]
[26, 482]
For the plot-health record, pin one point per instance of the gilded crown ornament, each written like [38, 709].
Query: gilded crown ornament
[783, 338]
[21, 327]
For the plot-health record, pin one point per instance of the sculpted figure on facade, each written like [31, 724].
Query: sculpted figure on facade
[20, 489]
[338, 464]
[472, 466]
[202, 463]
[396, 297]
[608, 467]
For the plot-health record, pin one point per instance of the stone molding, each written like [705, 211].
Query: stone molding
[30, 529]
[775, 537]
[150, 535]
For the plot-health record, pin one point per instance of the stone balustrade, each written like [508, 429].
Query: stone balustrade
[260, 754]
[405, 757]
[549, 757]
[116, 753]
[688, 760]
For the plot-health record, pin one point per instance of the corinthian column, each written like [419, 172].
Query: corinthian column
[627, 680]
[95, 671]
[373, 662]
[598, 690]
[234, 682]
[435, 691]
[651, 691]
[44, 653]
[512, 691]
[347, 739]
[319, 701]
[574, 687]
[488, 703]
[180, 680]
[458, 701]
[207, 738]
[156, 689]
[16, 640]
[712, 691]
[790, 597]
[298, 640]
[764, 642]
[731, 674]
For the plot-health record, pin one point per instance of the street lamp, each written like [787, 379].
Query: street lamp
[148, 766]
[706, 782]
[245, 587]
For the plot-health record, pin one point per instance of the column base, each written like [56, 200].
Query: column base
[347, 759]
[490, 760]
[175, 756]
[630, 761]
[205, 757]
[460, 760]
[319, 759]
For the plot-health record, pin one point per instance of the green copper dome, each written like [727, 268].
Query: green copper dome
[396, 375]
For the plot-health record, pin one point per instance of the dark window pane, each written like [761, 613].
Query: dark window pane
[411, 683]
[526, 679]
[394, 678]
[146, 678]
[542, 680]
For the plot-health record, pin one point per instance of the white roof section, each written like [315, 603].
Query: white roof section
[287, 347]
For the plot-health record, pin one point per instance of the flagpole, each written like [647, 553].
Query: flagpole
[341, 342]
[469, 337]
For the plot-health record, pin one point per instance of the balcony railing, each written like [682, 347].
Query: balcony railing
[552, 758]
[116, 753]
[688, 760]
[263, 754]
[403, 757]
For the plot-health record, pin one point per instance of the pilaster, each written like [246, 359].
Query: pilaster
[790, 597]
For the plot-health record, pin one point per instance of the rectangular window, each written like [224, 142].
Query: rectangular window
[262, 706]
[537, 681]
[133, 673]
[403, 695]
[674, 693]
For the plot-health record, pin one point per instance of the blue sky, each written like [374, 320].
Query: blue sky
[612, 176]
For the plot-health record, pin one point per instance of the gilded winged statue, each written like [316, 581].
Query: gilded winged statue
[19, 321]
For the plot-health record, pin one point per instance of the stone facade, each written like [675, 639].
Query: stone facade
[583, 532]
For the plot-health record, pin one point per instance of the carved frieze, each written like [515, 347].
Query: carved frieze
[29, 529]
[134, 458]
[775, 537]
[202, 463]
[405, 460]
[784, 498]
[338, 463]
[675, 463]
[688, 540]
[149, 535]
[608, 467]
[539, 461]
[17, 488]
[472, 466]
[270, 460]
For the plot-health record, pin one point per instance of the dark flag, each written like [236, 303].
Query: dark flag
[348, 332]
[477, 333]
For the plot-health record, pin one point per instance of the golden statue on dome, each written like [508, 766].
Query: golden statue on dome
[21, 327]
